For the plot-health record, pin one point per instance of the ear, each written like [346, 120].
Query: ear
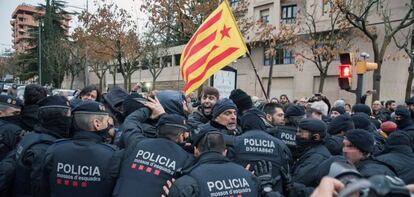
[268, 117]
[316, 137]
[96, 124]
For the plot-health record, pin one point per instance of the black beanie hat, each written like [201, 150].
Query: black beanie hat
[313, 125]
[221, 106]
[294, 110]
[361, 108]
[403, 111]
[361, 120]
[341, 123]
[398, 138]
[361, 139]
[339, 109]
[92, 107]
[132, 102]
[410, 101]
[241, 99]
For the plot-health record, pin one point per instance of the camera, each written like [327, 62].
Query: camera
[375, 186]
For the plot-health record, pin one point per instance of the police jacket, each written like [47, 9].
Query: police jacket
[285, 133]
[148, 163]
[304, 169]
[410, 132]
[7, 173]
[371, 166]
[255, 145]
[10, 135]
[401, 158]
[334, 144]
[214, 175]
[30, 153]
[29, 117]
[135, 125]
[82, 166]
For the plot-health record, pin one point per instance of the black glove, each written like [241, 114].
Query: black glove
[263, 171]
[286, 179]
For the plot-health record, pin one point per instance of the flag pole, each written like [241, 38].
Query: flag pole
[257, 76]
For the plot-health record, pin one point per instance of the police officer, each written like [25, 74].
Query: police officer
[202, 115]
[405, 123]
[336, 130]
[312, 152]
[149, 162]
[213, 174]
[257, 145]
[55, 122]
[83, 165]
[358, 149]
[10, 130]
[224, 118]
[275, 118]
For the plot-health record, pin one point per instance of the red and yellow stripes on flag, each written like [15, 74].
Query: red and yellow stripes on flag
[215, 44]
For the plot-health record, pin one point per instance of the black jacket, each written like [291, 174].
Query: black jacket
[30, 153]
[197, 118]
[409, 130]
[401, 158]
[85, 151]
[371, 166]
[29, 117]
[192, 184]
[136, 124]
[334, 144]
[10, 135]
[303, 170]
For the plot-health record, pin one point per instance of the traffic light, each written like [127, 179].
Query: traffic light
[364, 66]
[345, 71]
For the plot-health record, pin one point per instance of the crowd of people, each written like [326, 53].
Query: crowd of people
[165, 144]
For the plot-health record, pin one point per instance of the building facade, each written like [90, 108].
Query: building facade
[289, 78]
[23, 19]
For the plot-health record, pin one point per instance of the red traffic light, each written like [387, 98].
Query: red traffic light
[345, 71]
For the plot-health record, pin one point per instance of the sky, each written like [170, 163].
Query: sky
[7, 7]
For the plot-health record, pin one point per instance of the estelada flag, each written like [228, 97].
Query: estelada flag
[215, 44]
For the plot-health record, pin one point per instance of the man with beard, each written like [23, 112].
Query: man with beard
[202, 115]
[10, 130]
[312, 152]
[224, 118]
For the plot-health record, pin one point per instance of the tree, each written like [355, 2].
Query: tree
[357, 13]
[322, 43]
[272, 38]
[404, 43]
[152, 59]
[76, 61]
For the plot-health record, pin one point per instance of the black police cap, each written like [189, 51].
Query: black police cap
[172, 120]
[54, 100]
[90, 107]
[10, 101]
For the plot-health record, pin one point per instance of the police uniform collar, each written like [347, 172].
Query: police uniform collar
[88, 135]
[40, 129]
[212, 157]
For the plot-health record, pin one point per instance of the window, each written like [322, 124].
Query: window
[233, 3]
[264, 16]
[289, 13]
[177, 59]
[282, 56]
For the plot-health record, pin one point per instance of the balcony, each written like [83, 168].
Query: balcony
[12, 22]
